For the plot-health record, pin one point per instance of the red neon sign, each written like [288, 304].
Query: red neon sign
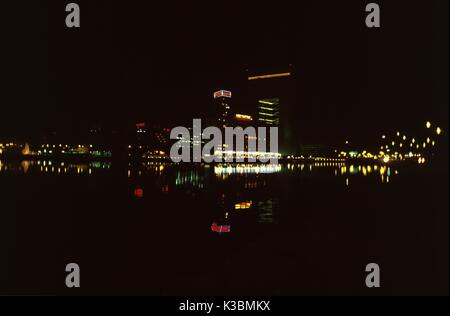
[222, 93]
[220, 228]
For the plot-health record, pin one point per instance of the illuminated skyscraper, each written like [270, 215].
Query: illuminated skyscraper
[269, 112]
[222, 107]
[271, 96]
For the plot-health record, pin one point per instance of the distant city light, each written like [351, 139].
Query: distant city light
[246, 169]
[244, 117]
[438, 131]
[266, 102]
[428, 124]
[243, 205]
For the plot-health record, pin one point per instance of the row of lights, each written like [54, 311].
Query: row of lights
[386, 149]
[4, 146]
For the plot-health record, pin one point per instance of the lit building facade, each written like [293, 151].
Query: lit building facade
[270, 94]
[269, 112]
[222, 107]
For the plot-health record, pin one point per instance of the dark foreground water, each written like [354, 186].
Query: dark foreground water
[163, 229]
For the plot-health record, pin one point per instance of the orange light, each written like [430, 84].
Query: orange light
[244, 117]
[243, 205]
[285, 74]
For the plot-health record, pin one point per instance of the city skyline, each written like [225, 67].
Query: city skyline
[224, 153]
[73, 80]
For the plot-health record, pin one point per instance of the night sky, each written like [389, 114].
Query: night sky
[136, 60]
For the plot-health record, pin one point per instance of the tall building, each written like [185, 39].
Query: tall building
[222, 107]
[271, 96]
[269, 112]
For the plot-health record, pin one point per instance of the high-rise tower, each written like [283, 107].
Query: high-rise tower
[269, 112]
[270, 94]
[222, 107]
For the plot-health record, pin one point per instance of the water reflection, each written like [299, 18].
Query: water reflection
[199, 176]
[246, 168]
[194, 178]
[231, 192]
[139, 192]
[172, 219]
[266, 210]
[220, 228]
[52, 167]
[243, 205]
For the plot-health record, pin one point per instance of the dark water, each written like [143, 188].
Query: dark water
[303, 229]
